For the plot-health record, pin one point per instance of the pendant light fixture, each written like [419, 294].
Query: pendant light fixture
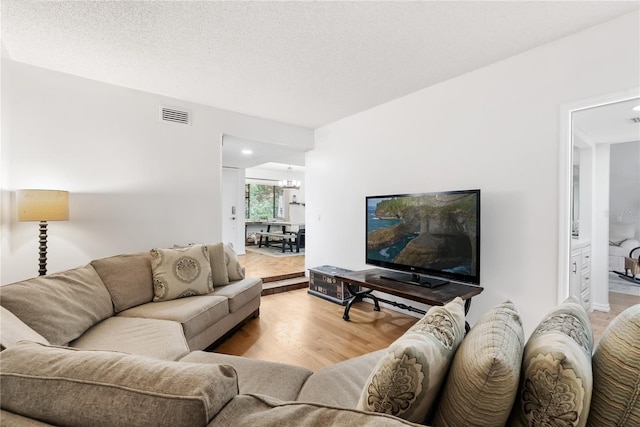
[289, 183]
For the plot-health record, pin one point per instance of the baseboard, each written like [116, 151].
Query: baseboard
[601, 307]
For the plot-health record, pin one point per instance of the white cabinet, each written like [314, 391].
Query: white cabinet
[581, 273]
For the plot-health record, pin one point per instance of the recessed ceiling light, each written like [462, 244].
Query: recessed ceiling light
[636, 108]
[246, 152]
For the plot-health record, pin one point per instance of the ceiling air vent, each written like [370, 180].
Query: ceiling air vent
[634, 119]
[173, 115]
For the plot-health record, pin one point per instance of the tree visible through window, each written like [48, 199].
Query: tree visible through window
[263, 201]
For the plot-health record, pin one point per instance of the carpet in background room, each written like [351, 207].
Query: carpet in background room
[276, 252]
[622, 286]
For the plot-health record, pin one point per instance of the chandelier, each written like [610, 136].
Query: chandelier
[289, 182]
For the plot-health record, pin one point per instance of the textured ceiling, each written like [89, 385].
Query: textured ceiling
[304, 63]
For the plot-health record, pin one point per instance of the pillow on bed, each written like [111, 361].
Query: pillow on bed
[618, 233]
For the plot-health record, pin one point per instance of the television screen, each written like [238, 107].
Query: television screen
[436, 234]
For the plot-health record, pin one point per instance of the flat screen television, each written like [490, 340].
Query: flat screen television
[426, 239]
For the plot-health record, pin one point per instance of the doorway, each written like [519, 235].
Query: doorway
[593, 130]
[257, 165]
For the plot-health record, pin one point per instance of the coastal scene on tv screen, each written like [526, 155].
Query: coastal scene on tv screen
[433, 231]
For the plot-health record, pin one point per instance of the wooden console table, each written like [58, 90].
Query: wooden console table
[371, 280]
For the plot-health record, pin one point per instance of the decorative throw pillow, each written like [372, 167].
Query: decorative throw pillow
[218, 264]
[556, 378]
[234, 269]
[180, 272]
[406, 381]
[483, 380]
[616, 373]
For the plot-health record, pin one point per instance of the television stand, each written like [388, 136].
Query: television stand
[414, 279]
[373, 280]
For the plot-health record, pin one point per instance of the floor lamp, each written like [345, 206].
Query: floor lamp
[43, 206]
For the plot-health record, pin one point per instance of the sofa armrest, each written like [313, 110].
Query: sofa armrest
[64, 386]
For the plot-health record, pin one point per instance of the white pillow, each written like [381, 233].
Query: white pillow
[618, 232]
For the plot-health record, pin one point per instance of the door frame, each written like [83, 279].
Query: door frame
[233, 182]
[565, 179]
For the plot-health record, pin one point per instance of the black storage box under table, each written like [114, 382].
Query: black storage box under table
[323, 283]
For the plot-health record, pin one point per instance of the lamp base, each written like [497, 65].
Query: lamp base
[43, 248]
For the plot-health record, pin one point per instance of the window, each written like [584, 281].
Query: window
[263, 201]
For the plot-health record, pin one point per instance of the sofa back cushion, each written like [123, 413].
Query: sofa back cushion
[64, 386]
[234, 269]
[616, 373]
[556, 379]
[217, 257]
[60, 306]
[127, 278]
[13, 330]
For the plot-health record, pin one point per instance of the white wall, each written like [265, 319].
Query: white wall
[496, 129]
[134, 182]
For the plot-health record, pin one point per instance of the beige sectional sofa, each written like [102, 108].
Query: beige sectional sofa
[433, 374]
[109, 305]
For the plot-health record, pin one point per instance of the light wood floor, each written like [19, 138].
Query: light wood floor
[298, 328]
[301, 329]
[617, 302]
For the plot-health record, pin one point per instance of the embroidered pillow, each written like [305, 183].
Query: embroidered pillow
[234, 269]
[556, 378]
[484, 376]
[406, 381]
[180, 272]
[616, 373]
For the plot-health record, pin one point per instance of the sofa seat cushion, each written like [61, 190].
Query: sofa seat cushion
[556, 377]
[195, 314]
[160, 339]
[341, 384]
[13, 330]
[64, 386]
[262, 411]
[60, 306]
[616, 373]
[277, 380]
[240, 292]
[127, 278]
[484, 376]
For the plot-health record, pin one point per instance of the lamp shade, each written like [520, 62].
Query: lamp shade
[43, 205]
